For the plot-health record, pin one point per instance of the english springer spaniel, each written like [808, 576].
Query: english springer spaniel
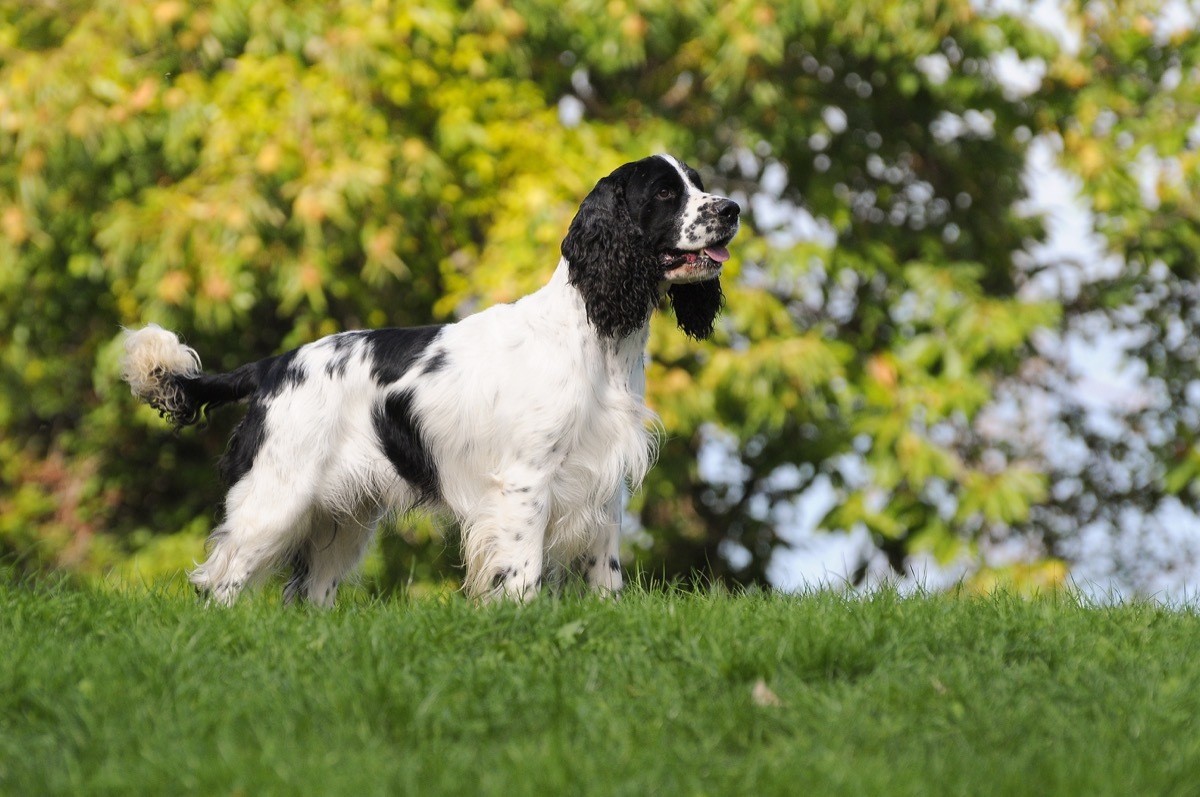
[523, 421]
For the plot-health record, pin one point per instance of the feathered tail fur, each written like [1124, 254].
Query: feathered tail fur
[166, 374]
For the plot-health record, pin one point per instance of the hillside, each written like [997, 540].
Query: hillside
[659, 693]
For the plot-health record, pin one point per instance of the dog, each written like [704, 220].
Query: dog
[523, 421]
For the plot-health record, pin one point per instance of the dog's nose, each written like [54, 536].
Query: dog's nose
[728, 210]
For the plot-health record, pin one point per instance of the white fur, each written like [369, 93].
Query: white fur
[150, 353]
[563, 425]
[535, 424]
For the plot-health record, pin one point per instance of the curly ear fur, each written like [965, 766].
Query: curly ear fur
[610, 263]
[696, 306]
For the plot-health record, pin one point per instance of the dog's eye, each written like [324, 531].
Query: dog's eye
[665, 193]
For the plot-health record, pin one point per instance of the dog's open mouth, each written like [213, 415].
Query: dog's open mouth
[683, 266]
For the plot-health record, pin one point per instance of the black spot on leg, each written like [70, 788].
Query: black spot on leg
[613, 564]
[502, 576]
[226, 587]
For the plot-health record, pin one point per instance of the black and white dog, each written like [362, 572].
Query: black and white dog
[523, 421]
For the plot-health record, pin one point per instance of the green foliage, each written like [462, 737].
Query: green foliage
[258, 174]
[663, 692]
[1123, 114]
[253, 174]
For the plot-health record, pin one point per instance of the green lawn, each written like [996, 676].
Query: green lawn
[151, 693]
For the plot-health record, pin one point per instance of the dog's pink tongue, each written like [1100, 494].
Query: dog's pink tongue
[718, 253]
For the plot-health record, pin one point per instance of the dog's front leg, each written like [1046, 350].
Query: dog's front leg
[503, 541]
[601, 565]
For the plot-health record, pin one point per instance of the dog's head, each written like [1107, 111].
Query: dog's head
[649, 227]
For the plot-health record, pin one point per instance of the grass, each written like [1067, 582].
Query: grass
[660, 693]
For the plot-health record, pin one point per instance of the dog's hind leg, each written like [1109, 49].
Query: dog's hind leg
[323, 560]
[265, 519]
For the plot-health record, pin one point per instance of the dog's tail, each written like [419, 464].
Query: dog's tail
[166, 374]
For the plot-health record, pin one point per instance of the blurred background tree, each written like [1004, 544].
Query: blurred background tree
[258, 174]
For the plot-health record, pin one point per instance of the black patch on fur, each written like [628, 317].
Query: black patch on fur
[277, 374]
[270, 377]
[612, 261]
[343, 352]
[399, 434]
[394, 350]
[436, 362]
[696, 306]
[244, 445]
[613, 564]
[265, 378]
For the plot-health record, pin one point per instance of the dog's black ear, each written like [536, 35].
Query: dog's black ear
[697, 305]
[610, 263]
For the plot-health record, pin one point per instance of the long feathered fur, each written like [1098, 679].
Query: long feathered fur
[611, 262]
[697, 305]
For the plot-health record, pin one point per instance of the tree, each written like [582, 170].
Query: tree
[1122, 115]
[259, 174]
